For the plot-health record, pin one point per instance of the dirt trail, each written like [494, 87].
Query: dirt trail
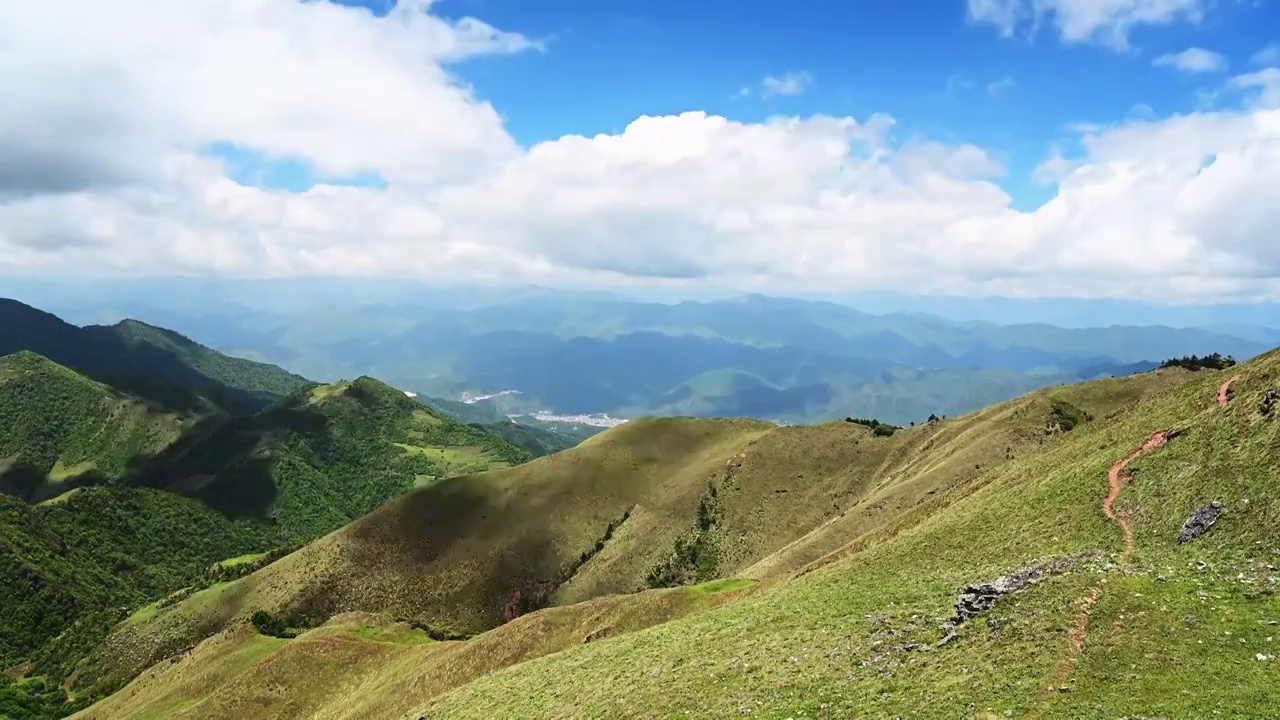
[1224, 392]
[1078, 630]
[1117, 479]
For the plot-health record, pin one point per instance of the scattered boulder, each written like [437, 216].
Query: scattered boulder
[1199, 522]
[1269, 402]
[977, 599]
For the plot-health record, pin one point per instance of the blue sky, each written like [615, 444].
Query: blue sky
[940, 75]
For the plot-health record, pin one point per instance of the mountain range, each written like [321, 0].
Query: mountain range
[778, 359]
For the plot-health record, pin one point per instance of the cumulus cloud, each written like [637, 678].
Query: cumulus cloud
[1171, 208]
[793, 83]
[1107, 22]
[1193, 60]
[345, 90]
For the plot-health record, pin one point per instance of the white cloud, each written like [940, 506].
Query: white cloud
[1193, 60]
[1054, 169]
[1001, 86]
[1265, 83]
[1172, 208]
[1006, 15]
[345, 90]
[1269, 55]
[1102, 21]
[793, 83]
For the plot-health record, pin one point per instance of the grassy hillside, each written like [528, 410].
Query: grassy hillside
[1104, 634]
[219, 492]
[452, 556]
[261, 380]
[59, 429]
[145, 362]
[74, 566]
[651, 503]
[384, 666]
[324, 456]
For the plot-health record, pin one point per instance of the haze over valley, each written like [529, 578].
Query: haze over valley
[527, 351]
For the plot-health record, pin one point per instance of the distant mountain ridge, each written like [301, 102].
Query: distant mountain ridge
[157, 365]
[776, 358]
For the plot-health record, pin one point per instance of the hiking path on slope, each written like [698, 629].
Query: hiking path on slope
[1117, 478]
[1224, 392]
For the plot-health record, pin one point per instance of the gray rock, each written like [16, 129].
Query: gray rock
[977, 599]
[1199, 522]
[1269, 402]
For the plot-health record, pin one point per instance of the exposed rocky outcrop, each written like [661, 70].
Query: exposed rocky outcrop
[1269, 402]
[1199, 522]
[977, 599]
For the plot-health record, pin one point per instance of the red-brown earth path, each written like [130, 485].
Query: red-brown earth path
[1224, 392]
[1117, 478]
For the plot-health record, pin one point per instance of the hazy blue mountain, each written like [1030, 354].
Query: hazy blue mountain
[590, 352]
[108, 300]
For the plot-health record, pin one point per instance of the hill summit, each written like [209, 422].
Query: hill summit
[322, 456]
[149, 363]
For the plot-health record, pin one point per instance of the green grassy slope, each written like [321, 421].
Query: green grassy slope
[71, 569]
[932, 466]
[452, 556]
[149, 363]
[59, 429]
[359, 665]
[225, 489]
[264, 381]
[836, 639]
[324, 456]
